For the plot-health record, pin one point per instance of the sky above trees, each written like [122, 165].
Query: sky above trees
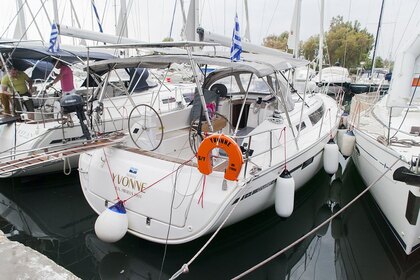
[150, 20]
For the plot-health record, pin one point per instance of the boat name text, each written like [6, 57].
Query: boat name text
[127, 182]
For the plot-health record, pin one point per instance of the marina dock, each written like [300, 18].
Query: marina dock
[21, 262]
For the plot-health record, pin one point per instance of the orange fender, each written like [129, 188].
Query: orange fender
[229, 146]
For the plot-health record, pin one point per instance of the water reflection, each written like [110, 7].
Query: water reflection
[365, 247]
[234, 250]
[51, 215]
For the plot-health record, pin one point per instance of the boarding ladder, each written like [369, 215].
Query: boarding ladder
[42, 156]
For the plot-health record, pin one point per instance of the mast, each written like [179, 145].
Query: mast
[20, 29]
[294, 34]
[247, 35]
[192, 22]
[184, 20]
[321, 41]
[377, 38]
[122, 29]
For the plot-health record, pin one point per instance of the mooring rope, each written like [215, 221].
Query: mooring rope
[185, 266]
[316, 228]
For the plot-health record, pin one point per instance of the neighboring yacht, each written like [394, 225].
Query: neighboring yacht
[387, 133]
[368, 82]
[54, 138]
[334, 80]
[184, 171]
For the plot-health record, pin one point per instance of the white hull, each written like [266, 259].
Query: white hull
[372, 159]
[259, 193]
[397, 200]
[171, 210]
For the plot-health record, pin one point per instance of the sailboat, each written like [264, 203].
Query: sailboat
[387, 141]
[53, 130]
[183, 172]
[374, 79]
[52, 139]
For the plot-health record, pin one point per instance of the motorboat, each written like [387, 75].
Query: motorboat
[387, 143]
[183, 173]
[371, 82]
[332, 80]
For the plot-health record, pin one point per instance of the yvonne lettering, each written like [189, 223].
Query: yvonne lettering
[127, 182]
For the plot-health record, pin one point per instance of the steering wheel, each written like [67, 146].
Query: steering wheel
[199, 128]
[145, 127]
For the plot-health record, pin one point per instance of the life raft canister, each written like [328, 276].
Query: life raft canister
[232, 150]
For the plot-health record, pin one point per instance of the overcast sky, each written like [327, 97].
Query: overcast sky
[150, 20]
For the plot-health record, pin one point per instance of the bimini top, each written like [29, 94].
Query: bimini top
[260, 65]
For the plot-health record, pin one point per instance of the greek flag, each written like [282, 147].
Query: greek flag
[236, 48]
[54, 44]
[97, 16]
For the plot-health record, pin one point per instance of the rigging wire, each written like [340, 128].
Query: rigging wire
[169, 225]
[406, 112]
[346, 42]
[262, 19]
[393, 33]
[23, 35]
[10, 23]
[272, 17]
[172, 24]
[318, 227]
[184, 268]
[405, 29]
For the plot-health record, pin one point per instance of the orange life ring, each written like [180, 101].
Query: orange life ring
[229, 146]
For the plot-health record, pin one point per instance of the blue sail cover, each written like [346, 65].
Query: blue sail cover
[38, 57]
[38, 52]
[40, 69]
[138, 79]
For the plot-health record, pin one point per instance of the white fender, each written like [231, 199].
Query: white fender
[284, 194]
[339, 137]
[344, 119]
[348, 142]
[112, 224]
[331, 157]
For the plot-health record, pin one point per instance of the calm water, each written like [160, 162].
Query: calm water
[51, 215]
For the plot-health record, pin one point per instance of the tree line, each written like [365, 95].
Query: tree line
[345, 43]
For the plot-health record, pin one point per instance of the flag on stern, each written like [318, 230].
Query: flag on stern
[236, 48]
[54, 43]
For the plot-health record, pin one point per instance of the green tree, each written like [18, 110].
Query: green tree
[310, 48]
[379, 63]
[277, 42]
[167, 39]
[347, 42]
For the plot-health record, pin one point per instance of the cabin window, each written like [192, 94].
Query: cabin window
[230, 83]
[317, 115]
[168, 100]
[302, 126]
[257, 84]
